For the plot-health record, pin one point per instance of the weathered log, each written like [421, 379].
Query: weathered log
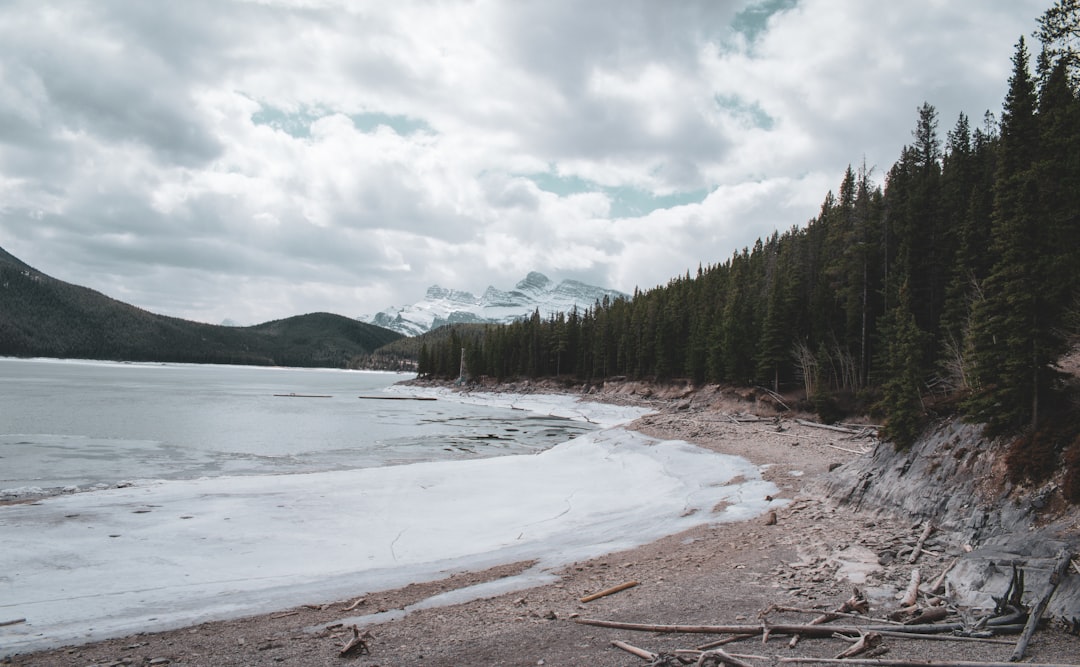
[911, 596]
[609, 591]
[879, 662]
[1001, 624]
[1064, 558]
[15, 621]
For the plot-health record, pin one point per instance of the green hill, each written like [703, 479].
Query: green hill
[46, 317]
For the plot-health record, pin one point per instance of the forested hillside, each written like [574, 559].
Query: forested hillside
[955, 282]
[42, 316]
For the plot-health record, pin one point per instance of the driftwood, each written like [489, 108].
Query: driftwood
[1003, 625]
[844, 449]
[937, 584]
[357, 644]
[919, 545]
[878, 662]
[837, 614]
[716, 657]
[15, 621]
[827, 427]
[911, 596]
[1064, 558]
[609, 591]
[855, 603]
[629, 648]
[870, 640]
[354, 605]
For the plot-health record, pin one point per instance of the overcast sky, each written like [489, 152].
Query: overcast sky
[253, 160]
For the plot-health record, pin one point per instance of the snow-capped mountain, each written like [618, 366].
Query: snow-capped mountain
[442, 306]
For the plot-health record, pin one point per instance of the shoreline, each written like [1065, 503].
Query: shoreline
[808, 556]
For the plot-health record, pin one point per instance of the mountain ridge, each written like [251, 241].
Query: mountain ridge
[535, 292]
[42, 316]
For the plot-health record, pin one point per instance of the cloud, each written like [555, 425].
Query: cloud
[257, 159]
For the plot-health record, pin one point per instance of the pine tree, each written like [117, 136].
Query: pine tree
[901, 392]
[1008, 358]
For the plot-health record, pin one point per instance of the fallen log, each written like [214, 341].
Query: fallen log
[1064, 558]
[1000, 624]
[880, 662]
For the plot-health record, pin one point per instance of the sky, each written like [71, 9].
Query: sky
[249, 160]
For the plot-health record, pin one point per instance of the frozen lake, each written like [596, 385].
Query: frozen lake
[81, 423]
[250, 523]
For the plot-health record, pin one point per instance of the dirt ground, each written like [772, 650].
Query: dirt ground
[808, 556]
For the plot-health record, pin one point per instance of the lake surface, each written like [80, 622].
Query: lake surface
[216, 493]
[67, 423]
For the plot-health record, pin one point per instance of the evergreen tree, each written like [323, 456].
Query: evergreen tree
[901, 392]
[1008, 356]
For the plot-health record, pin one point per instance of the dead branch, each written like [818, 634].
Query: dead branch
[776, 397]
[944, 638]
[609, 591]
[358, 643]
[639, 652]
[837, 614]
[354, 605]
[919, 545]
[726, 640]
[844, 449]
[716, 657]
[866, 642]
[855, 603]
[14, 621]
[1064, 558]
[936, 585]
[828, 427]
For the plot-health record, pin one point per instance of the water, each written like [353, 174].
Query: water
[66, 424]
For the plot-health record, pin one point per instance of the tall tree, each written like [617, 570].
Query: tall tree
[1009, 359]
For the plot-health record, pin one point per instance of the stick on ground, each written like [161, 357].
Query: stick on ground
[1064, 558]
[609, 591]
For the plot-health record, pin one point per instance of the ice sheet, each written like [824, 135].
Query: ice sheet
[172, 553]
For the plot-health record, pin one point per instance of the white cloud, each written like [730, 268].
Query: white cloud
[254, 160]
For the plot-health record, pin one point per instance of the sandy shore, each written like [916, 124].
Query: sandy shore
[809, 555]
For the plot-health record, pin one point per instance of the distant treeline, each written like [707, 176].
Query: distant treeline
[957, 282]
[42, 316]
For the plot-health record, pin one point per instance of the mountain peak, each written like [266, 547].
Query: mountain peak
[535, 292]
[534, 282]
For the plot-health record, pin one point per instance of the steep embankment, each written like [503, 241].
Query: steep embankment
[957, 479]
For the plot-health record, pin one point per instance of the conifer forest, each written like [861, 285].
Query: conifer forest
[951, 285]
